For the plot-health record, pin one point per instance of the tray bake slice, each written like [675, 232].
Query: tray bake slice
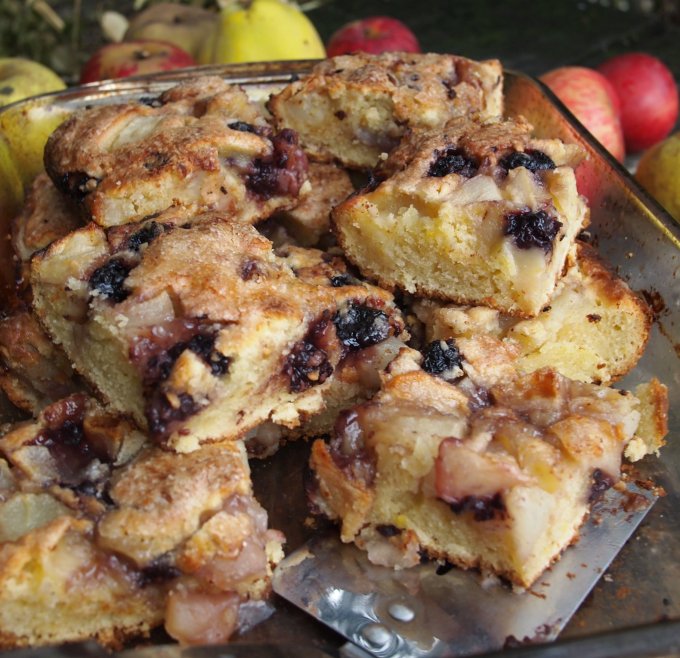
[45, 597]
[476, 213]
[105, 536]
[594, 329]
[33, 371]
[496, 471]
[200, 146]
[45, 216]
[202, 332]
[353, 108]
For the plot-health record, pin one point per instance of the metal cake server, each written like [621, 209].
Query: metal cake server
[430, 612]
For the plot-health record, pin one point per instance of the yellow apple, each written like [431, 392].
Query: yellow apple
[659, 173]
[26, 126]
[265, 30]
[21, 78]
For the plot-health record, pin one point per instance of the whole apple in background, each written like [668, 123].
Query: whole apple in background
[22, 78]
[648, 95]
[591, 98]
[185, 26]
[376, 34]
[120, 60]
[26, 127]
[262, 31]
[659, 173]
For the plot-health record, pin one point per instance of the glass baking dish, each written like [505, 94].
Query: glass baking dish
[630, 607]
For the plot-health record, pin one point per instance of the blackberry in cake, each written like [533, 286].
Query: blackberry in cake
[594, 328]
[104, 536]
[493, 469]
[202, 332]
[353, 108]
[201, 146]
[476, 213]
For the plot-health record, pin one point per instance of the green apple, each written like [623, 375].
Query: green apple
[21, 78]
[659, 173]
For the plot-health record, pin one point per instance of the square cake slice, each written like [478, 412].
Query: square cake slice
[105, 536]
[476, 213]
[353, 108]
[46, 216]
[496, 471]
[33, 370]
[594, 329]
[200, 146]
[202, 332]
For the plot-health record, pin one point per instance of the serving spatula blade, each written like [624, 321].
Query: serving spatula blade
[427, 613]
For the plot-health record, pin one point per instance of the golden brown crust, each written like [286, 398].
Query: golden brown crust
[46, 216]
[603, 277]
[653, 427]
[352, 499]
[486, 142]
[163, 498]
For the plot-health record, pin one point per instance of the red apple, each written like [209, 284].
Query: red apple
[649, 98]
[591, 98]
[119, 60]
[376, 34]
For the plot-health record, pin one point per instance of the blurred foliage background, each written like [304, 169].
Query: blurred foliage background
[528, 36]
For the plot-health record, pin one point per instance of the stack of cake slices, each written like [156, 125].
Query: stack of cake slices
[375, 258]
